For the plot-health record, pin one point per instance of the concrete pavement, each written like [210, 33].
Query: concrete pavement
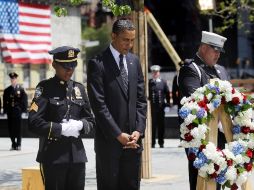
[169, 165]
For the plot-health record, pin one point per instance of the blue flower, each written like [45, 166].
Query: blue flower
[184, 112]
[193, 150]
[200, 161]
[221, 177]
[200, 113]
[214, 88]
[238, 108]
[236, 129]
[237, 149]
[216, 103]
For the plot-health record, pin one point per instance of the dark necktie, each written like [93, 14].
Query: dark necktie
[123, 74]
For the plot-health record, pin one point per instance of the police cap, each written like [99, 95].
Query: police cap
[66, 56]
[13, 75]
[155, 68]
[214, 40]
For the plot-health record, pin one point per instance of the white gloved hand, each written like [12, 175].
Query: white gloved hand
[76, 123]
[69, 130]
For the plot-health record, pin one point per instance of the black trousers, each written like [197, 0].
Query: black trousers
[193, 172]
[64, 176]
[158, 125]
[14, 127]
[118, 172]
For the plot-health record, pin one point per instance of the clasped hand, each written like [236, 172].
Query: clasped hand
[71, 128]
[129, 141]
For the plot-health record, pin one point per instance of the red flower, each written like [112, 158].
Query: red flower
[230, 162]
[235, 100]
[244, 98]
[245, 130]
[248, 166]
[202, 104]
[223, 100]
[202, 147]
[234, 187]
[205, 100]
[249, 153]
[191, 156]
[233, 90]
[190, 126]
[188, 137]
[216, 167]
[214, 175]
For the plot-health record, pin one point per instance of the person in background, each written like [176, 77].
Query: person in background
[14, 104]
[116, 89]
[159, 97]
[196, 73]
[60, 112]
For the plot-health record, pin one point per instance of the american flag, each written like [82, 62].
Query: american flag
[25, 32]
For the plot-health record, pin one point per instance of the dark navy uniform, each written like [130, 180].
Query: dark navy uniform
[62, 157]
[14, 104]
[158, 96]
[189, 80]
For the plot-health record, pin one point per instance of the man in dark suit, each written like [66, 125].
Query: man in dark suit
[159, 99]
[196, 73]
[116, 92]
[59, 113]
[14, 104]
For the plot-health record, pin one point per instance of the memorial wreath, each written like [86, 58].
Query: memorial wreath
[232, 165]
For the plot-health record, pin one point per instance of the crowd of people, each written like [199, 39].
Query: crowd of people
[114, 106]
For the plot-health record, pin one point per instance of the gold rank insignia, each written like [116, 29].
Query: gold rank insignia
[33, 107]
[77, 92]
[70, 53]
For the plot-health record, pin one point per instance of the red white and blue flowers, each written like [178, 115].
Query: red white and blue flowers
[231, 166]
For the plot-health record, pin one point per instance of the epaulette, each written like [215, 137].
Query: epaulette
[188, 61]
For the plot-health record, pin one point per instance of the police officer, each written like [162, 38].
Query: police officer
[159, 98]
[196, 73]
[59, 113]
[14, 103]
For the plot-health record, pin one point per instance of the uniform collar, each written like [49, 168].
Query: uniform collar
[59, 81]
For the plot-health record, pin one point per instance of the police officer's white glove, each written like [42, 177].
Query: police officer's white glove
[76, 123]
[69, 130]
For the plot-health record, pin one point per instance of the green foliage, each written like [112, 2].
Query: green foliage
[116, 9]
[239, 12]
[101, 34]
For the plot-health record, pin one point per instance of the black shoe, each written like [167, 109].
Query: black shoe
[18, 148]
[161, 146]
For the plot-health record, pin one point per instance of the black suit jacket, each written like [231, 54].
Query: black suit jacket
[116, 112]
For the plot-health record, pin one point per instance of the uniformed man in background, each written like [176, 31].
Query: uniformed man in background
[14, 104]
[159, 98]
[59, 113]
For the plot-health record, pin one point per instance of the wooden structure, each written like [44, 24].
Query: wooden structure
[31, 179]
[218, 115]
[140, 48]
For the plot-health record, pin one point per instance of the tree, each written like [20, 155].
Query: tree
[117, 10]
[231, 12]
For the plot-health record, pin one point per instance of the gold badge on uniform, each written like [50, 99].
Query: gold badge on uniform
[71, 53]
[33, 107]
[77, 92]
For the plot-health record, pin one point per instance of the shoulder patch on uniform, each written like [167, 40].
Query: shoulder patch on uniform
[38, 92]
[33, 107]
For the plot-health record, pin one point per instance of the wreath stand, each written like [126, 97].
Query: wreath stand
[218, 115]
